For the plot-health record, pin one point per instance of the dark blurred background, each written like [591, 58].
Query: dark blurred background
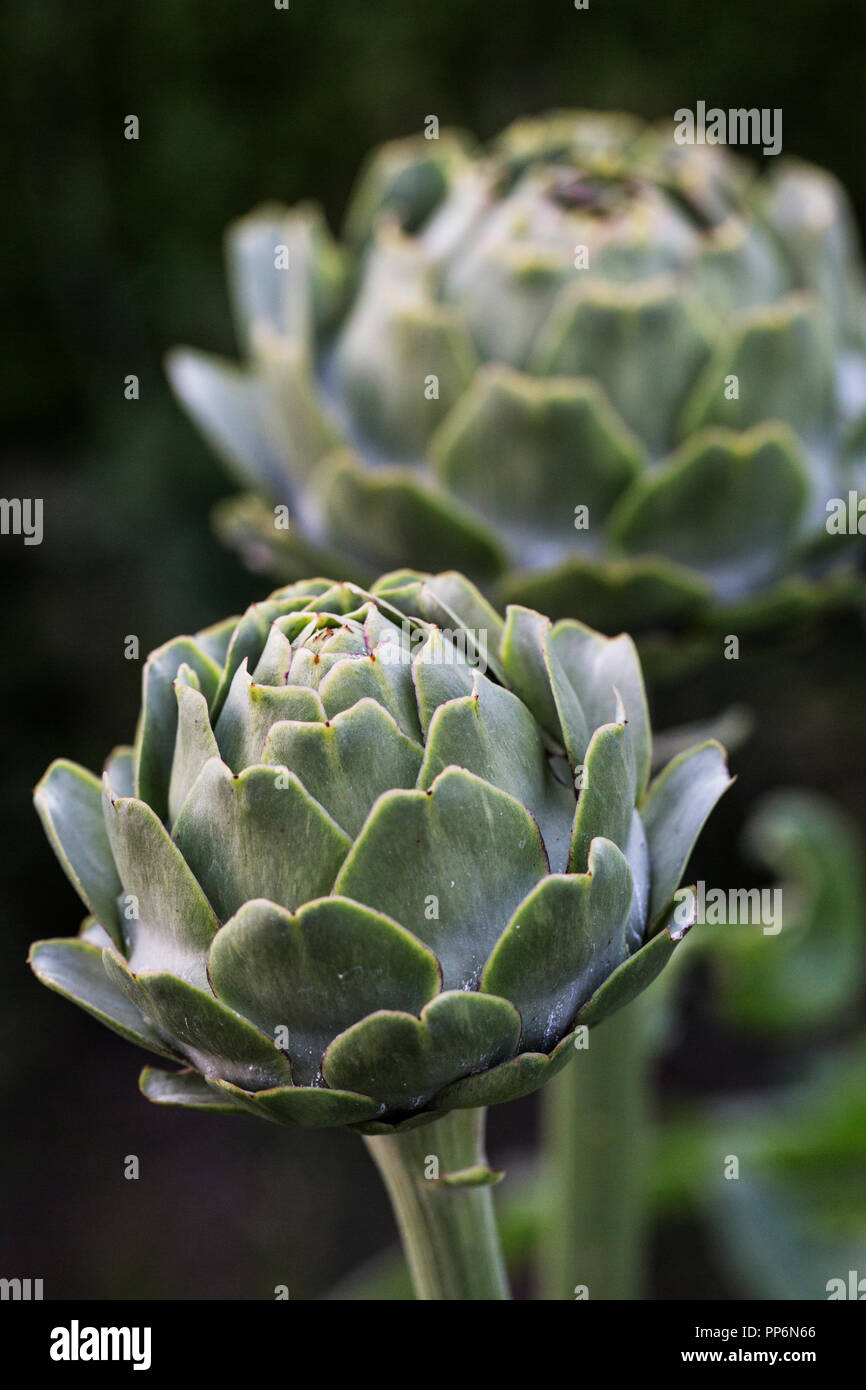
[112, 253]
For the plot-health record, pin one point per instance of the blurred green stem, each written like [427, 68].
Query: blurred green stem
[595, 1144]
[446, 1219]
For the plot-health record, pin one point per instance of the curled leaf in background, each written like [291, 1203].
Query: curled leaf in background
[814, 972]
[794, 1225]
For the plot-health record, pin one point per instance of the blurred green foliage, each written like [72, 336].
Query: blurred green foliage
[814, 975]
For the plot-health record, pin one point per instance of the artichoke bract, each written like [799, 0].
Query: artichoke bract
[374, 855]
[598, 372]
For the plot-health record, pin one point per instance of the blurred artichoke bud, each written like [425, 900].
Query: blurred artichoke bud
[598, 371]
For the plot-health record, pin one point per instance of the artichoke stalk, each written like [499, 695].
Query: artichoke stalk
[378, 858]
[598, 372]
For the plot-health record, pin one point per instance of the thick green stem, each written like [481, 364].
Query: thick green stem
[448, 1230]
[595, 1133]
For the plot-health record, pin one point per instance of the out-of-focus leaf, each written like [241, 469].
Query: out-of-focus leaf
[768, 1241]
[813, 1132]
[809, 973]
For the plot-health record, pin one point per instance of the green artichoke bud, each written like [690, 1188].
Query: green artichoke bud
[374, 854]
[594, 370]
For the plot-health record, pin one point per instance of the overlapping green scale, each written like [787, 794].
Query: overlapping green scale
[373, 853]
[556, 365]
